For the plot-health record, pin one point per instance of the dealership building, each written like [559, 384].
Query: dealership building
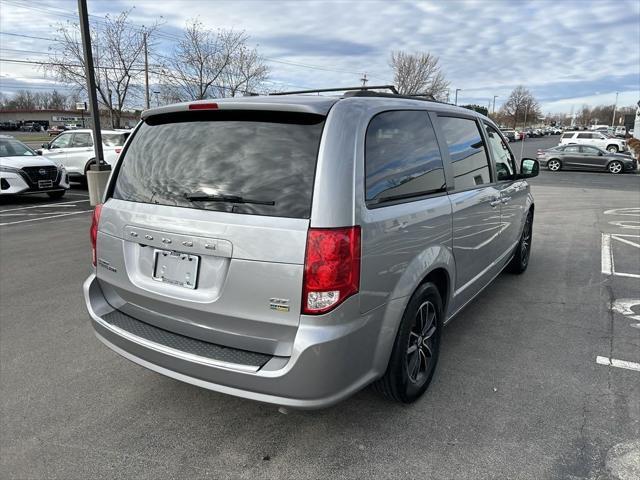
[65, 117]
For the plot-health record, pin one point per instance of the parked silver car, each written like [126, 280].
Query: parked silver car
[294, 249]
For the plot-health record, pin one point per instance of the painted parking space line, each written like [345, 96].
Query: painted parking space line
[44, 205]
[44, 218]
[613, 362]
[606, 255]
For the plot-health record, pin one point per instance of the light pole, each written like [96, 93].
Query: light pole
[494, 104]
[615, 106]
[457, 90]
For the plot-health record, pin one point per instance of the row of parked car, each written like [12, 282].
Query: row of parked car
[514, 135]
[49, 169]
[589, 150]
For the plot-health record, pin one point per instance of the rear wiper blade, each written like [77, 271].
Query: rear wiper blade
[204, 197]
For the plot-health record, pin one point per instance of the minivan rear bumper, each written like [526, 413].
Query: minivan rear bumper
[334, 356]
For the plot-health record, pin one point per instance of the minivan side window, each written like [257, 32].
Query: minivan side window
[467, 151]
[402, 158]
[585, 135]
[505, 163]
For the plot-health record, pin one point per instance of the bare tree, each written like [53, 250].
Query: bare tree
[245, 73]
[418, 74]
[201, 60]
[520, 104]
[117, 52]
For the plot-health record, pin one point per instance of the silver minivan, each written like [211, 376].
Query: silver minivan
[294, 249]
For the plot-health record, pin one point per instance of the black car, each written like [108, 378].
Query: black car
[585, 157]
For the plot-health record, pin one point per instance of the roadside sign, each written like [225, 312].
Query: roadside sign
[81, 106]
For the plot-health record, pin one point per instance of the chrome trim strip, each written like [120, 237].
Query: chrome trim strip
[189, 357]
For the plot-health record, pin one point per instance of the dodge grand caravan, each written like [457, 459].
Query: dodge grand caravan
[294, 249]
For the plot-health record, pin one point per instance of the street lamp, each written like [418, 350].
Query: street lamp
[457, 90]
[615, 106]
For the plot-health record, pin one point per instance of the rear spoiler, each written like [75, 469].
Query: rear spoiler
[314, 105]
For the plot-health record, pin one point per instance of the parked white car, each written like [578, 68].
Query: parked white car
[23, 171]
[74, 150]
[597, 139]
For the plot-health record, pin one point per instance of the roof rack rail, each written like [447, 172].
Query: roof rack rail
[324, 90]
[425, 97]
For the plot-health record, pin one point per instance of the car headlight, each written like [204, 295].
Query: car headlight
[4, 168]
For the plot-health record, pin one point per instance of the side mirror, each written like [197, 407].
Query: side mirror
[39, 152]
[45, 145]
[529, 168]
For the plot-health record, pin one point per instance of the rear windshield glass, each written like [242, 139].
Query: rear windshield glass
[258, 162]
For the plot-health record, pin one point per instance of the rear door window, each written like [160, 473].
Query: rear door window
[81, 140]
[250, 162]
[469, 157]
[566, 136]
[114, 139]
[585, 135]
[402, 158]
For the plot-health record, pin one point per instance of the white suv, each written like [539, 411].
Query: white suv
[597, 139]
[74, 150]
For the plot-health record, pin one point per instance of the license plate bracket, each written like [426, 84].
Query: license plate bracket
[176, 268]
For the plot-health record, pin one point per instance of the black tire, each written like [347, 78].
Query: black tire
[554, 165]
[58, 194]
[416, 347]
[520, 260]
[612, 148]
[615, 167]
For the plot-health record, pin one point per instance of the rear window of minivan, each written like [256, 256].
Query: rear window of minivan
[567, 135]
[249, 162]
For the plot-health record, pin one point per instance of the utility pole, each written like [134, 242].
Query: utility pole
[615, 106]
[98, 175]
[457, 90]
[146, 72]
[494, 103]
[364, 79]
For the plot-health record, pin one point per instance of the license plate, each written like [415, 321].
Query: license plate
[45, 183]
[175, 268]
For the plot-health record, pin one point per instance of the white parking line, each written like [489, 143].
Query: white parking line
[45, 205]
[612, 362]
[44, 218]
[605, 257]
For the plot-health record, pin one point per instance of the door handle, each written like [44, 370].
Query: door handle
[505, 199]
[495, 202]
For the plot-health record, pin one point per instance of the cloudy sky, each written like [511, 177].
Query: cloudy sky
[567, 52]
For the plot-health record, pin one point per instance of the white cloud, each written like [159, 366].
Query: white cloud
[558, 49]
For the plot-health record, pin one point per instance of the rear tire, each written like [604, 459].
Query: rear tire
[615, 167]
[554, 164]
[612, 148]
[58, 194]
[416, 348]
[520, 260]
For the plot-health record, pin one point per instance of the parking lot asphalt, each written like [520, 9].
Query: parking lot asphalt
[518, 393]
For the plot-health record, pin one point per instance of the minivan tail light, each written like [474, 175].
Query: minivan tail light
[331, 268]
[93, 231]
[203, 106]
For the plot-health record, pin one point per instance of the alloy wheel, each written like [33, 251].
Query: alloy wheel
[421, 344]
[615, 167]
[553, 165]
[612, 149]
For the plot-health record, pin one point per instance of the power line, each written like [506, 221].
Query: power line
[177, 38]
